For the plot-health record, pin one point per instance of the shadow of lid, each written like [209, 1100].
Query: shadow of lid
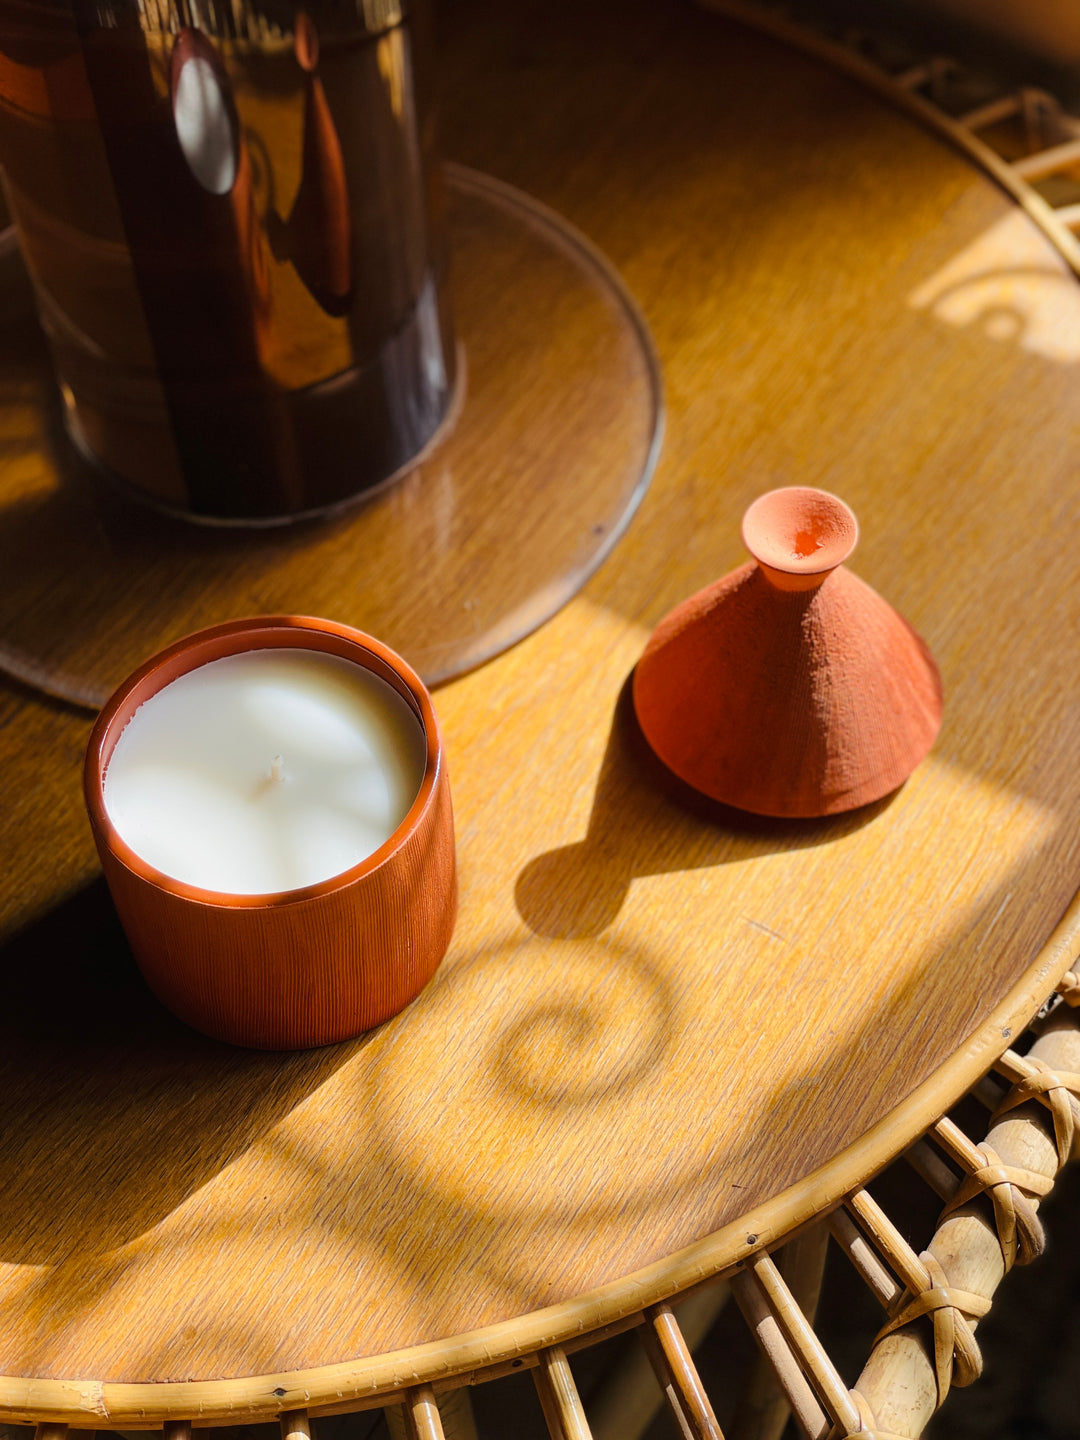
[646, 821]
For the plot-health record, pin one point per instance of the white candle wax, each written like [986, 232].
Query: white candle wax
[265, 771]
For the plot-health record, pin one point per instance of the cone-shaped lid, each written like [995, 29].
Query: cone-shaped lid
[789, 687]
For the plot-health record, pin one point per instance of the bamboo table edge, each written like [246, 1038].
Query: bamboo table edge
[750, 14]
[89, 1403]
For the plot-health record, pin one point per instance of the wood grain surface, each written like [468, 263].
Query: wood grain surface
[664, 1034]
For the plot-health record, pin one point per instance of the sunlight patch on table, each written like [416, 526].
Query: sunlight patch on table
[1010, 283]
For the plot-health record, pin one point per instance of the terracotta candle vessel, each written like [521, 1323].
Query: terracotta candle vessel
[789, 687]
[276, 900]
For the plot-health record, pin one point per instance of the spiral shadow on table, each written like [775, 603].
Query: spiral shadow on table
[541, 1066]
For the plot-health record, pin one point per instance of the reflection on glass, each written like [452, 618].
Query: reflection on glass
[231, 215]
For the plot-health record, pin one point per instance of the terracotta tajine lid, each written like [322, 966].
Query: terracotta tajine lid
[790, 687]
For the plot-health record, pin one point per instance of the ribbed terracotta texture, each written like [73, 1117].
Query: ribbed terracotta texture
[304, 967]
[789, 687]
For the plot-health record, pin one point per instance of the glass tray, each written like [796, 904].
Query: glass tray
[554, 441]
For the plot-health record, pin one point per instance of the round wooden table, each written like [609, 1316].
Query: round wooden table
[665, 1036]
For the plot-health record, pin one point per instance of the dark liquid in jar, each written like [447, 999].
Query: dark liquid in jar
[236, 242]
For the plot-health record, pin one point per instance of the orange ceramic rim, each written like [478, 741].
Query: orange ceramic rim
[236, 637]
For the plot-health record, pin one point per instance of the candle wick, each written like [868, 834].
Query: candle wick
[277, 769]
